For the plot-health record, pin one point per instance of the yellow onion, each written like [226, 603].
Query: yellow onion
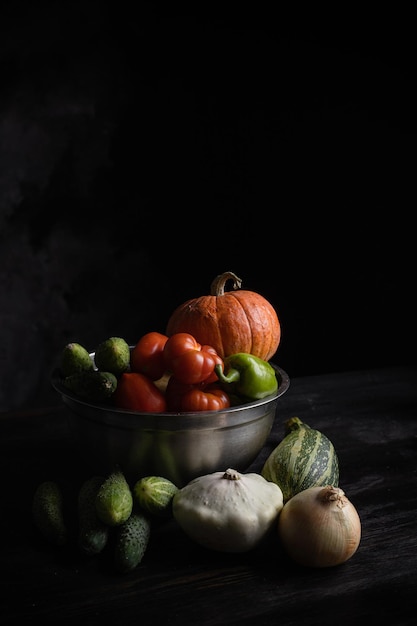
[320, 527]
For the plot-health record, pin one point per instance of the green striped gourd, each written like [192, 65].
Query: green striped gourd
[304, 458]
[154, 494]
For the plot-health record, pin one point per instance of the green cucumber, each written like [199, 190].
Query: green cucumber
[132, 539]
[113, 355]
[48, 512]
[114, 500]
[93, 534]
[75, 358]
[304, 458]
[91, 385]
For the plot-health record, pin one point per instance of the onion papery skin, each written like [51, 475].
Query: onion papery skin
[319, 527]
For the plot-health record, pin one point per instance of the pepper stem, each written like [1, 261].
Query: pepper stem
[218, 284]
[233, 375]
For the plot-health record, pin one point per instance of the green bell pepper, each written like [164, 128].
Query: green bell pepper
[247, 375]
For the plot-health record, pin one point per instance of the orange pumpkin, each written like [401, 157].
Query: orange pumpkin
[229, 321]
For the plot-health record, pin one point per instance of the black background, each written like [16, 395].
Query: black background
[145, 151]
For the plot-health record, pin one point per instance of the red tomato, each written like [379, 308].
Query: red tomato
[147, 357]
[177, 344]
[137, 392]
[188, 361]
[206, 399]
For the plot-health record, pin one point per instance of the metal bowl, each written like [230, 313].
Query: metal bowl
[177, 446]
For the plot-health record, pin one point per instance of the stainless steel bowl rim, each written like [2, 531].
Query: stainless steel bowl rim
[169, 420]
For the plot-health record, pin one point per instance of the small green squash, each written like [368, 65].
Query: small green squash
[154, 494]
[304, 458]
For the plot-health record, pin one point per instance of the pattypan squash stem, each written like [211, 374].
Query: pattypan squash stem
[231, 474]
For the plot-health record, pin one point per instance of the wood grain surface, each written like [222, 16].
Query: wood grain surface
[371, 418]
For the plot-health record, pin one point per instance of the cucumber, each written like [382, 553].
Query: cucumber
[93, 534]
[48, 512]
[75, 358]
[132, 538]
[114, 500]
[154, 494]
[304, 458]
[91, 385]
[113, 355]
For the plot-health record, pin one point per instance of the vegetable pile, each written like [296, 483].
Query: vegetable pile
[110, 513]
[164, 374]
[215, 354]
[226, 511]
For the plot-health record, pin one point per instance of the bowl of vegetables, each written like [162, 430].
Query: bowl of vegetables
[198, 399]
[136, 421]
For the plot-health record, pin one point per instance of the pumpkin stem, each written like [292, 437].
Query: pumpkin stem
[217, 286]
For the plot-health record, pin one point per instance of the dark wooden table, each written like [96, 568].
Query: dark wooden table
[371, 418]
